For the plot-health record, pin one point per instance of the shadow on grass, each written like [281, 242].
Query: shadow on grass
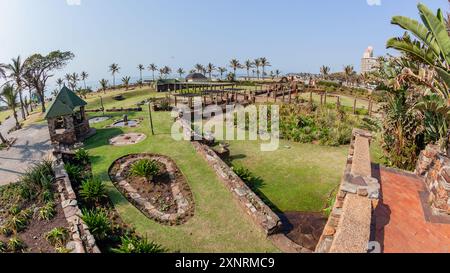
[102, 137]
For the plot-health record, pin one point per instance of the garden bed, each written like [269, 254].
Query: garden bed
[166, 199]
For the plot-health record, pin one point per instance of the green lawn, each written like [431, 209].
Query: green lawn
[219, 224]
[345, 101]
[297, 177]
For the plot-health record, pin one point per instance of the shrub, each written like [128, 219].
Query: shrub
[145, 168]
[75, 172]
[47, 212]
[93, 190]
[98, 222]
[17, 222]
[57, 237]
[15, 244]
[252, 181]
[82, 156]
[134, 244]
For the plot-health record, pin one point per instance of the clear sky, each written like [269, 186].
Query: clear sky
[295, 35]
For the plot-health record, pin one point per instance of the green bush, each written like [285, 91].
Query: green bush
[47, 212]
[57, 237]
[15, 244]
[3, 247]
[93, 190]
[98, 222]
[75, 172]
[145, 168]
[136, 245]
[82, 156]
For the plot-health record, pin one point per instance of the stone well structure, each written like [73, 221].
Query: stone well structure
[66, 118]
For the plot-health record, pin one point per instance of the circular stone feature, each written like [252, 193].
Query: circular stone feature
[166, 198]
[98, 120]
[127, 139]
[130, 123]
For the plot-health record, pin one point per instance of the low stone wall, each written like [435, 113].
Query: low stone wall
[348, 227]
[434, 168]
[262, 215]
[82, 241]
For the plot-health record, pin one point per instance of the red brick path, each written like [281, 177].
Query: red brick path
[400, 222]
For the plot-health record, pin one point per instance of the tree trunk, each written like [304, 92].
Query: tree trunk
[24, 116]
[16, 118]
[31, 101]
[42, 99]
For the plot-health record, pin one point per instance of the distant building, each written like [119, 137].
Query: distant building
[196, 77]
[368, 62]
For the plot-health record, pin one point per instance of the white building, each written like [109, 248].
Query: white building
[368, 62]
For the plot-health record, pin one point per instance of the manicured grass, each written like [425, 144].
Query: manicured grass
[4, 114]
[219, 224]
[297, 177]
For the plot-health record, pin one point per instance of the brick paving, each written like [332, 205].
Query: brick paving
[401, 224]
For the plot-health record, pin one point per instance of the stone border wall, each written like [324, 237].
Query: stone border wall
[348, 227]
[82, 241]
[434, 168]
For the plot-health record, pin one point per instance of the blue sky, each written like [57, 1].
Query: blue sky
[295, 35]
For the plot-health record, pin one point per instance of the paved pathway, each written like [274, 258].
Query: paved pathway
[32, 145]
[401, 220]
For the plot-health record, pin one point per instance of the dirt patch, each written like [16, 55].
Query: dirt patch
[303, 228]
[34, 235]
[127, 139]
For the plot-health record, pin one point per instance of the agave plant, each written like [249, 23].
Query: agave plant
[145, 168]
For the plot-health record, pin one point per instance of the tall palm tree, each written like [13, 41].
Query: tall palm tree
[222, 71]
[200, 68]
[277, 73]
[68, 78]
[84, 76]
[349, 71]
[235, 65]
[167, 70]
[141, 68]
[74, 79]
[60, 83]
[126, 82]
[209, 69]
[17, 70]
[9, 96]
[153, 68]
[114, 69]
[257, 63]
[180, 72]
[248, 65]
[325, 70]
[264, 63]
[104, 84]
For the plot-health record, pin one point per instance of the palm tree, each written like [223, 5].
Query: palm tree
[114, 68]
[68, 78]
[104, 84]
[167, 70]
[257, 63]
[180, 72]
[325, 70]
[153, 68]
[74, 80]
[248, 65]
[126, 82]
[221, 70]
[209, 69]
[141, 68]
[349, 71]
[60, 83]
[431, 47]
[17, 70]
[264, 63]
[3, 139]
[277, 73]
[235, 65]
[84, 76]
[200, 68]
[9, 96]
